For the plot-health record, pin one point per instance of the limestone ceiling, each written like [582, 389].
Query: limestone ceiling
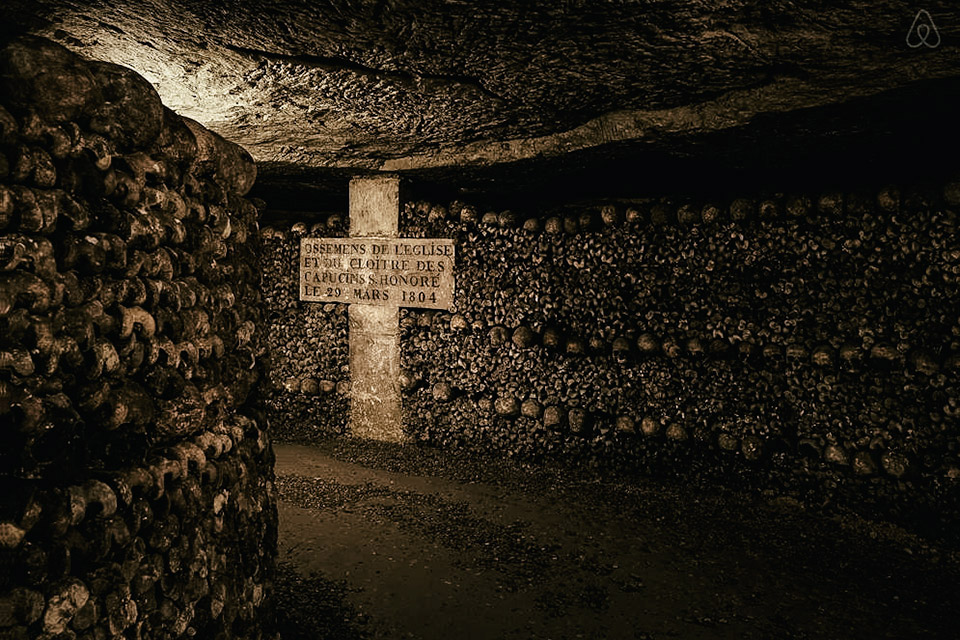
[413, 85]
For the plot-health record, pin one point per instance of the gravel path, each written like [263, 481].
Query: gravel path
[391, 542]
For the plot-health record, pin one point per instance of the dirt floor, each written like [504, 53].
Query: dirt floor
[402, 542]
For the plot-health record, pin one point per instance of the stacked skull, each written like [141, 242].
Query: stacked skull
[307, 382]
[809, 335]
[137, 469]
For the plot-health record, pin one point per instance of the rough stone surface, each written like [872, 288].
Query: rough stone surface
[407, 85]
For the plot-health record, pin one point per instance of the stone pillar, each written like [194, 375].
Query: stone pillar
[374, 331]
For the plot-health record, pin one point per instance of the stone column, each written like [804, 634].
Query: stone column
[374, 331]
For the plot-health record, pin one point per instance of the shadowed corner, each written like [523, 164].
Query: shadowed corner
[21, 17]
[314, 606]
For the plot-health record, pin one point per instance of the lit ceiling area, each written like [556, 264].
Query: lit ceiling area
[482, 93]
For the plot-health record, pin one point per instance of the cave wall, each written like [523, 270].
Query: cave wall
[807, 342]
[136, 473]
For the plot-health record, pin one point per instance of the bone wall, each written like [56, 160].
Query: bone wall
[307, 387]
[806, 342]
[137, 476]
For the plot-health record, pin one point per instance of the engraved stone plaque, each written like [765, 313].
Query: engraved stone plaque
[388, 272]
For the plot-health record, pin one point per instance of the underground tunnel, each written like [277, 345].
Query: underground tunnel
[556, 319]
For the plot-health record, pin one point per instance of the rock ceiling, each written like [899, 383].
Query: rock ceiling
[316, 88]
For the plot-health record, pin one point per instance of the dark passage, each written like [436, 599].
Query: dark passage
[382, 542]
